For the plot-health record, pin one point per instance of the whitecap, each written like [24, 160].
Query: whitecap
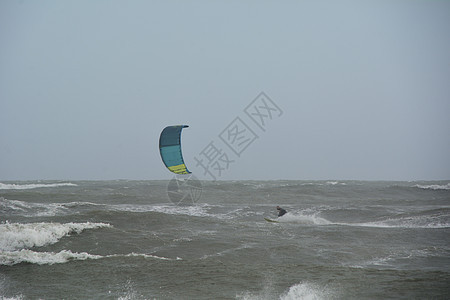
[9, 258]
[13, 186]
[304, 291]
[14, 205]
[15, 236]
[434, 187]
[332, 183]
[199, 210]
[31, 209]
[307, 291]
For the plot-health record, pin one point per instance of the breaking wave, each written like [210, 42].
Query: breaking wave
[23, 236]
[9, 258]
[434, 187]
[16, 240]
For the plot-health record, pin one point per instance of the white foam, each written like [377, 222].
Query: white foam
[434, 187]
[335, 183]
[192, 210]
[19, 236]
[15, 205]
[306, 291]
[426, 221]
[30, 209]
[9, 258]
[13, 186]
[300, 218]
[422, 221]
[142, 255]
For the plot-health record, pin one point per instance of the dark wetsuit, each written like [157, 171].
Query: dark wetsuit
[281, 212]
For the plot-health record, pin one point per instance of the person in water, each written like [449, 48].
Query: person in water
[281, 211]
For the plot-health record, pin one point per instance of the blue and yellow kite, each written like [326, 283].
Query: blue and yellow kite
[170, 149]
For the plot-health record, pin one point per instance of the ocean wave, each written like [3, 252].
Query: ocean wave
[13, 186]
[192, 210]
[304, 290]
[17, 297]
[391, 260]
[320, 183]
[335, 183]
[290, 184]
[198, 210]
[427, 221]
[432, 221]
[433, 187]
[13, 205]
[307, 291]
[30, 209]
[10, 258]
[21, 236]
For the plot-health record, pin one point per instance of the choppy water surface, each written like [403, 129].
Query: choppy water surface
[127, 240]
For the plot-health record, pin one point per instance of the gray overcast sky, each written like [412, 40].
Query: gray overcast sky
[87, 86]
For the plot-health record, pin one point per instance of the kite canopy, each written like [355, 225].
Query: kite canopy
[170, 149]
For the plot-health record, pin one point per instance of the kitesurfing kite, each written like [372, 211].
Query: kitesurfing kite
[170, 149]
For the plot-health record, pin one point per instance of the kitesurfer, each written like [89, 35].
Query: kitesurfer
[281, 211]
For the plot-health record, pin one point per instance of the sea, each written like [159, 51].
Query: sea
[192, 239]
